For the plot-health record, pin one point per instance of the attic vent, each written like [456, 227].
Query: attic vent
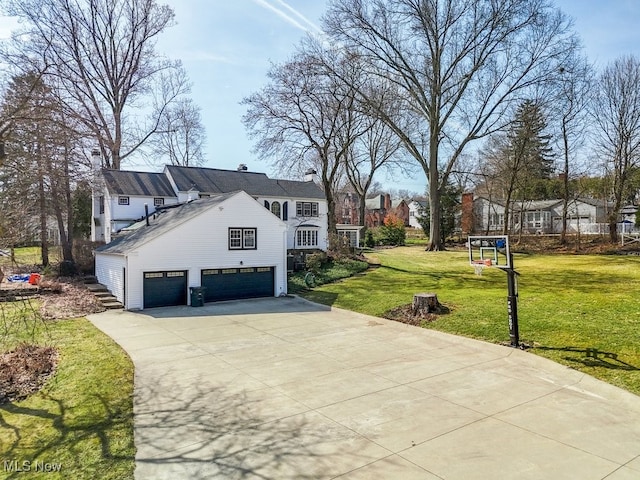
[242, 167]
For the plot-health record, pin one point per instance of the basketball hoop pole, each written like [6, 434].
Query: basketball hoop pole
[494, 250]
[512, 304]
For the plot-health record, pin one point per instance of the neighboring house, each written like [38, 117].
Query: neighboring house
[376, 209]
[402, 211]
[535, 217]
[347, 212]
[122, 197]
[229, 244]
[628, 214]
[417, 209]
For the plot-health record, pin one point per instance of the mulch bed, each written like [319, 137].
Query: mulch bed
[24, 371]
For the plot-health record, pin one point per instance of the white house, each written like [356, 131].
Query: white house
[539, 216]
[417, 209]
[228, 243]
[120, 199]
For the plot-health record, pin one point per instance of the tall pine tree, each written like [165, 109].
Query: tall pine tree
[530, 146]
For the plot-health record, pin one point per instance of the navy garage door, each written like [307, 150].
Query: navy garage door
[164, 289]
[236, 283]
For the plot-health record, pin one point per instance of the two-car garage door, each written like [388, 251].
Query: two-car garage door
[162, 289]
[237, 283]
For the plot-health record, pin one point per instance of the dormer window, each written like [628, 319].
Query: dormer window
[123, 200]
[275, 209]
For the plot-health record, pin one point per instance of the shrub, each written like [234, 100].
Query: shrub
[393, 231]
[369, 241]
[315, 261]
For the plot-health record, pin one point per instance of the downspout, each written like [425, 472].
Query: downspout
[284, 287]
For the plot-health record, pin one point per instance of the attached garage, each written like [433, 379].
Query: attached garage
[164, 289]
[237, 283]
[229, 244]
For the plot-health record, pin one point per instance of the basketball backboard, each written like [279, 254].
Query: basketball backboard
[490, 251]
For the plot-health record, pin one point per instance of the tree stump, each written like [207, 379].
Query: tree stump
[424, 303]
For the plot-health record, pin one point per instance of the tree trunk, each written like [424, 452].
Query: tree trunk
[613, 230]
[424, 303]
[565, 184]
[43, 222]
[331, 214]
[435, 240]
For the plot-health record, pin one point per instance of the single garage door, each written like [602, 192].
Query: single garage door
[165, 289]
[236, 283]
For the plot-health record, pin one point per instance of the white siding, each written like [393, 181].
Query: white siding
[415, 211]
[293, 222]
[135, 209]
[114, 212]
[109, 272]
[202, 243]
[321, 221]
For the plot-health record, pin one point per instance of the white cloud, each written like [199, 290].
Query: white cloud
[7, 26]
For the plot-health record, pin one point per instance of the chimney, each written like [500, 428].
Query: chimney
[466, 222]
[242, 167]
[310, 175]
[387, 202]
[96, 160]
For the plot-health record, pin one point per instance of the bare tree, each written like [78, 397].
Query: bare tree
[460, 65]
[44, 157]
[574, 91]
[305, 118]
[377, 148]
[101, 57]
[616, 110]
[180, 137]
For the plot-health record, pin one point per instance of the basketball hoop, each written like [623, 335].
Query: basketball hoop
[480, 265]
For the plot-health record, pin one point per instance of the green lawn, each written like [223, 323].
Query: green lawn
[579, 310]
[30, 256]
[83, 417]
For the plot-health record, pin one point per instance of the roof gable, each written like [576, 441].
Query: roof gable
[148, 184]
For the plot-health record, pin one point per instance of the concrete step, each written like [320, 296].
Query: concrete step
[102, 293]
[107, 299]
[96, 287]
[112, 305]
[90, 279]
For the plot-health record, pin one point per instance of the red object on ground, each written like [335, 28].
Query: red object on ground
[34, 278]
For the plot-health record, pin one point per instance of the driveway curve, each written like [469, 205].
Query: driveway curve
[282, 388]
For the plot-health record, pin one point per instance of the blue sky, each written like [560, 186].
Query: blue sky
[227, 47]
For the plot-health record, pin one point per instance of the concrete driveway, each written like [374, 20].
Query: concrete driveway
[282, 388]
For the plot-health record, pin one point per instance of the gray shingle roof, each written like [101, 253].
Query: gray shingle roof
[164, 220]
[121, 182]
[374, 203]
[213, 181]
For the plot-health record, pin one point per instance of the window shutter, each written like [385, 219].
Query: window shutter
[285, 211]
[266, 205]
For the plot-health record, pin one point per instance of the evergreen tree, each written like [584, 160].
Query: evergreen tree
[531, 146]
